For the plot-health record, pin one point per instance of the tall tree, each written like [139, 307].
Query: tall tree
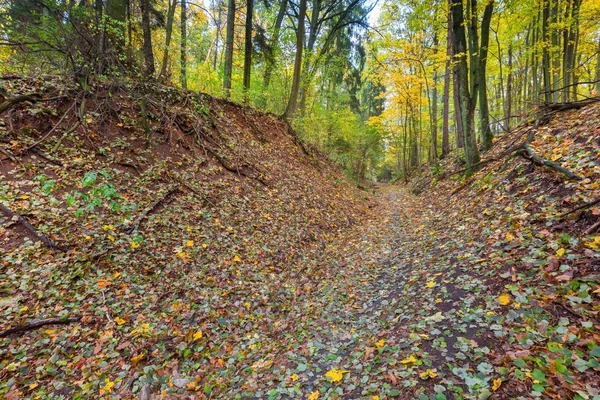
[270, 53]
[446, 94]
[147, 34]
[466, 100]
[484, 111]
[183, 55]
[248, 49]
[229, 48]
[171, 6]
[292, 105]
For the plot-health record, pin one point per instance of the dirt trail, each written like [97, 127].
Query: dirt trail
[413, 321]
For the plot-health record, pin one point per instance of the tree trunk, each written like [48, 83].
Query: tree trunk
[310, 46]
[169, 31]
[218, 34]
[292, 106]
[598, 69]
[248, 49]
[434, 98]
[147, 34]
[183, 55]
[484, 111]
[466, 99]
[508, 98]
[545, 52]
[446, 95]
[571, 52]
[270, 56]
[229, 48]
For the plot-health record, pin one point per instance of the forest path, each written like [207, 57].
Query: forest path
[420, 321]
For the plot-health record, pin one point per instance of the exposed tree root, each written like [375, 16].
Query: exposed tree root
[33, 97]
[581, 207]
[38, 324]
[18, 217]
[150, 209]
[529, 154]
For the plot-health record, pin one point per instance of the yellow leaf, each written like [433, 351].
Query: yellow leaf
[374, 397]
[595, 244]
[134, 245]
[428, 373]
[117, 274]
[504, 299]
[496, 384]
[410, 360]
[23, 309]
[335, 375]
[198, 335]
[33, 386]
[108, 386]
[204, 245]
[560, 252]
[119, 321]
[108, 227]
[237, 259]
[314, 395]
[430, 284]
[135, 360]
[189, 243]
[509, 237]
[380, 343]
[294, 377]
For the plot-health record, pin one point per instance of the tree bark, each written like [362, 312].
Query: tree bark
[508, 97]
[446, 94]
[169, 31]
[466, 99]
[229, 48]
[248, 49]
[183, 55]
[270, 56]
[434, 100]
[292, 106]
[484, 111]
[545, 52]
[147, 34]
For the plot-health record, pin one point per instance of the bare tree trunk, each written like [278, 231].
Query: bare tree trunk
[434, 100]
[545, 52]
[292, 106]
[169, 31]
[229, 48]
[484, 111]
[270, 56]
[217, 35]
[446, 95]
[466, 99]
[183, 55]
[508, 97]
[147, 34]
[248, 49]
[598, 69]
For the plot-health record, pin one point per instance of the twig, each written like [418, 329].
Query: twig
[581, 207]
[44, 239]
[38, 324]
[592, 228]
[148, 210]
[49, 132]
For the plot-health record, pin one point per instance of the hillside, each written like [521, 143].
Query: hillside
[194, 248]
[173, 223]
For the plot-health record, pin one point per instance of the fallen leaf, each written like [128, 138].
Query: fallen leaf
[504, 299]
[335, 375]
